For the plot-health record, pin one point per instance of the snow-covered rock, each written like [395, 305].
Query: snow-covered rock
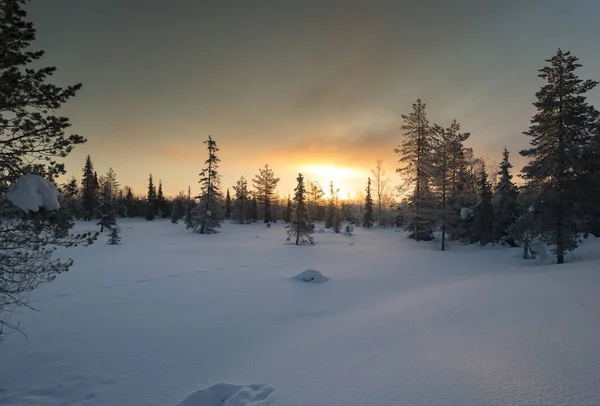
[466, 213]
[311, 275]
[32, 192]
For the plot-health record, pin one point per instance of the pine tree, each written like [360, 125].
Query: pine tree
[300, 227]
[150, 200]
[69, 198]
[114, 238]
[89, 190]
[189, 208]
[505, 202]
[228, 205]
[242, 201]
[254, 209]
[205, 218]
[560, 130]
[106, 210]
[160, 201]
[265, 184]
[31, 137]
[287, 214]
[483, 220]
[368, 216]
[314, 201]
[415, 156]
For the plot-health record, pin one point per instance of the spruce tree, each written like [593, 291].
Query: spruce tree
[314, 200]
[161, 209]
[300, 227]
[560, 131]
[89, 190]
[206, 215]
[254, 209]
[483, 220]
[242, 209]
[368, 216]
[228, 205]
[189, 207]
[150, 200]
[265, 184]
[415, 156]
[31, 137]
[69, 198]
[287, 214]
[106, 210]
[505, 202]
[114, 237]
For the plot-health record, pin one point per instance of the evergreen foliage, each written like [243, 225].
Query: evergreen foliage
[300, 228]
[33, 139]
[206, 216]
[89, 188]
[114, 237]
[242, 209]
[228, 205]
[265, 184]
[151, 200]
[560, 132]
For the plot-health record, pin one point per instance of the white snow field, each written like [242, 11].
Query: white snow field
[173, 318]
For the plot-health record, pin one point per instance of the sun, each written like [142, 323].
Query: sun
[344, 178]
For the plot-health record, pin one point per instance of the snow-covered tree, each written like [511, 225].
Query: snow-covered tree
[265, 184]
[30, 136]
[300, 228]
[69, 198]
[114, 237]
[368, 216]
[483, 219]
[560, 130]
[106, 213]
[206, 216]
[415, 157]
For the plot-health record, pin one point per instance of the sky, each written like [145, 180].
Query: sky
[309, 86]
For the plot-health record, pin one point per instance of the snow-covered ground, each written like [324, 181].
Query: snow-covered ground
[172, 318]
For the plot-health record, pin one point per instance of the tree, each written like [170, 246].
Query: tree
[287, 214]
[31, 136]
[314, 201]
[265, 184]
[483, 231]
[69, 198]
[161, 203]
[89, 189]
[300, 227]
[415, 157]
[228, 206]
[205, 218]
[106, 210]
[330, 209]
[505, 202]
[368, 216]
[242, 209]
[560, 130]
[254, 209]
[382, 186]
[151, 200]
[114, 238]
[189, 207]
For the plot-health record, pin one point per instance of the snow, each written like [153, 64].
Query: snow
[224, 394]
[163, 318]
[32, 192]
[466, 213]
[311, 275]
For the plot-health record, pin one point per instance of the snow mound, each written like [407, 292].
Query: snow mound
[466, 213]
[32, 192]
[311, 275]
[226, 394]
[320, 230]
